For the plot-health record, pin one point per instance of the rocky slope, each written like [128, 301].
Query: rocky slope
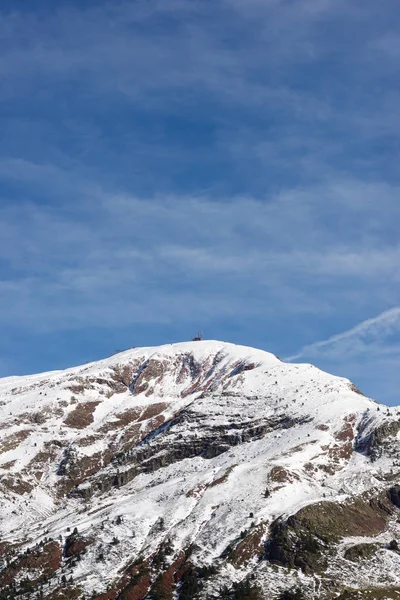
[196, 470]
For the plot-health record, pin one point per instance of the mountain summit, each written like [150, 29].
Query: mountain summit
[196, 470]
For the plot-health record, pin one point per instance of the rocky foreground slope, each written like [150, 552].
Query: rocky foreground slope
[196, 470]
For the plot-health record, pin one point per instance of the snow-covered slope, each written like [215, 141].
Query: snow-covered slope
[189, 467]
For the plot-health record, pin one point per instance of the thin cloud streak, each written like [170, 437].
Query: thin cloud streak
[377, 327]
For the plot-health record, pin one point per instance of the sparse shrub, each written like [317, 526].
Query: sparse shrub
[393, 545]
[190, 586]
[293, 594]
[243, 590]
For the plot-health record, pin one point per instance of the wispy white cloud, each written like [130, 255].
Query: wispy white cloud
[363, 337]
[172, 58]
[107, 49]
[105, 258]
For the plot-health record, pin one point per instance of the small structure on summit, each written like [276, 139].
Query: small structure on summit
[198, 337]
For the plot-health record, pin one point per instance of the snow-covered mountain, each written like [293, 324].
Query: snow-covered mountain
[196, 470]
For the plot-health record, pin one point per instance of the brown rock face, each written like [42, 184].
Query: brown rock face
[279, 475]
[111, 595]
[250, 546]
[81, 416]
[138, 588]
[75, 545]
[43, 561]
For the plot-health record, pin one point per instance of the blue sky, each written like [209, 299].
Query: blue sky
[226, 165]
